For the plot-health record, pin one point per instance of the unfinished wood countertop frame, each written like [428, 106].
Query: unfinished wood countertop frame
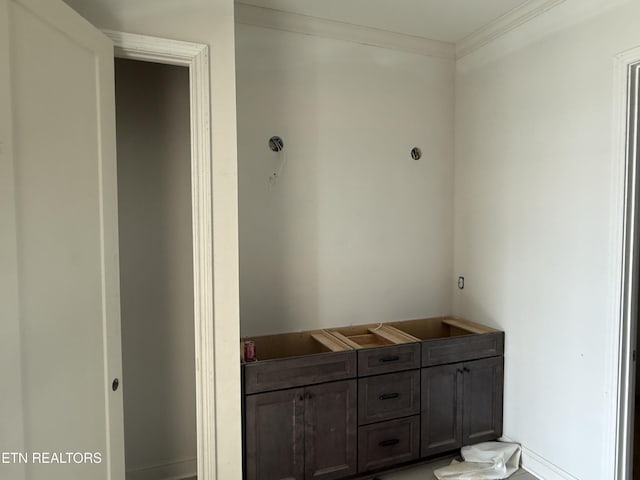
[358, 337]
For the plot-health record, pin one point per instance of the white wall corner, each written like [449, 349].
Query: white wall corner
[307, 25]
[503, 25]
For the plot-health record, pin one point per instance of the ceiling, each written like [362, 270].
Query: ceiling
[444, 20]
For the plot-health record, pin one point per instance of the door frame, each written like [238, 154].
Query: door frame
[195, 57]
[625, 266]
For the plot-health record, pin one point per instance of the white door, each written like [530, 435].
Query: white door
[59, 297]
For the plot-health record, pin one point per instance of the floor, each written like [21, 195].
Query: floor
[425, 472]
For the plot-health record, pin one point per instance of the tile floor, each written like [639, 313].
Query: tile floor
[425, 472]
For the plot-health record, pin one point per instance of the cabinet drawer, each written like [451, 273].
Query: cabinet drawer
[373, 361]
[462, 348]
[388, 396]
[388, 443]
[281, 373]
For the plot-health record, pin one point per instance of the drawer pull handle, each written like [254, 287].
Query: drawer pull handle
[389, 358]
[388, 396]
[389, 443]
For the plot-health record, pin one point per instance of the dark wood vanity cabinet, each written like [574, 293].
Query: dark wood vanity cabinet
[461, 404]
[346, 402]
[302, 433]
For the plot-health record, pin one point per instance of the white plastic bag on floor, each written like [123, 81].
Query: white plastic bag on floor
[484, 461]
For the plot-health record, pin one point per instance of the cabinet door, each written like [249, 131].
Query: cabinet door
[483, 385]
[275, 435]
[330, 430]
[441, 408]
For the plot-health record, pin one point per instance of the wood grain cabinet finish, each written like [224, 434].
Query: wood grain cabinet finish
[389, 396]
[299, 371]
[275, 435]
[441, 409]
[330, 430]
[302, 433]
[459, 349]
[483, 393]
[375, 361]
[461, 404]
[388, 443]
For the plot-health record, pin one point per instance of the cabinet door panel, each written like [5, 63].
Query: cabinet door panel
[275, 435]
[483, 386]
[441, 409]
[330, 430]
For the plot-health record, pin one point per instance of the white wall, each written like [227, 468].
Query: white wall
[210, 22]
[354, 230]
[533, 189]
[156, 266]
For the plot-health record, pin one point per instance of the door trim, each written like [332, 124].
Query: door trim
[196, 58]
[623, 272]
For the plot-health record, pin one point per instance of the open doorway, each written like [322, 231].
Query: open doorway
[156, 269]
[195, 58]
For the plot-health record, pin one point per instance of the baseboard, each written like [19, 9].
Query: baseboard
[542, 468]
[539, 466]
[176, 470]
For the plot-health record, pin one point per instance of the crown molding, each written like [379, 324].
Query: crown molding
[504, 24]
[307, 25]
